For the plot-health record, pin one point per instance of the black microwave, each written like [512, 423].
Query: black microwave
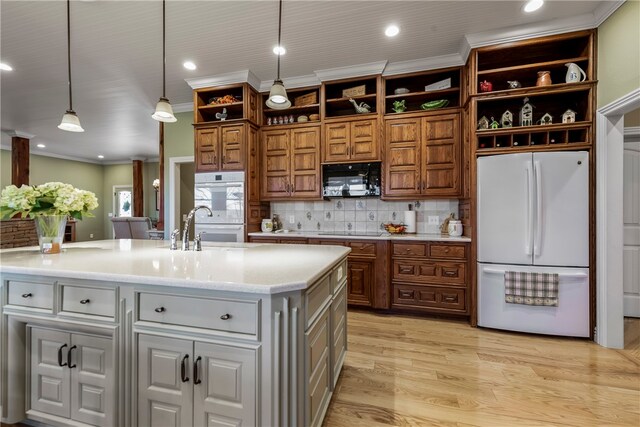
[351, 180]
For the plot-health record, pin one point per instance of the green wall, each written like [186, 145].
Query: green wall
[619, 53]
[87, 176]
[632, 119]
[149, 173]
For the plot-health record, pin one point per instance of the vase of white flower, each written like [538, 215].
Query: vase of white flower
[49, 205]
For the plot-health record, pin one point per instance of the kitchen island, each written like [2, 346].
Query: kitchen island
[127, 332]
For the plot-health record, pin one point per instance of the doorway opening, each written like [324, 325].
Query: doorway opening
[181, 186]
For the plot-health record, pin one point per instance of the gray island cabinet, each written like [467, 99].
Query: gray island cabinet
[129, 333]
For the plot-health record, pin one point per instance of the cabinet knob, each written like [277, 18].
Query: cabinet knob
[29, 295]
[85, 301]
[226, 316]
[160, 310]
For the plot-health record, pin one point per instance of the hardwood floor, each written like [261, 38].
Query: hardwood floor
[408, 371]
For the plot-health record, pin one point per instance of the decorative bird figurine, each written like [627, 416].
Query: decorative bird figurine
[223, 115]
[360, 108]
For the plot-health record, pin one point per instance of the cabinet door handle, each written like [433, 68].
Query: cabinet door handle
[183, 369]
[226, 316]
[196, 374]
[29, 295]
[293, 188]
[85, 301]
[60, 355]
[69, 357]
[224, 159]
[160, 310]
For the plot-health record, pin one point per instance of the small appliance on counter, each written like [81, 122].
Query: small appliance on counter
[351, 180]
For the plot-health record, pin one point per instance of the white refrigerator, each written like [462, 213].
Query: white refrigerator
[533, 216]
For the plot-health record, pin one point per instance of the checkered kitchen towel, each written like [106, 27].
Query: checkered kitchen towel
[531, 288]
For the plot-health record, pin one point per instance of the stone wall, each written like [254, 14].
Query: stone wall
[15, 233]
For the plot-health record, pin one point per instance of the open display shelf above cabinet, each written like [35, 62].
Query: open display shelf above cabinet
[206, 108]
[445, 86]
[575, 135]
[270, 116]
[338, 105]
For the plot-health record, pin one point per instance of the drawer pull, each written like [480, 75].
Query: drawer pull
[69, 357]
[29, 295]
[450, 299]
[183, 369]
[160, 310]
[226, 316]
[196, 374]
[85, 301]
[60, 355]
[450, 273]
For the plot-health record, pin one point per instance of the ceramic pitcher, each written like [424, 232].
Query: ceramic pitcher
[574, 72]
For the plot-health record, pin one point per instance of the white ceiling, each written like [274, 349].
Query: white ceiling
[117, 54]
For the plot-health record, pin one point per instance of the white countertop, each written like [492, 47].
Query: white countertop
[237, 267]
[383, 236]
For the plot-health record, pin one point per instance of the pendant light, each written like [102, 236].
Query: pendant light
[70, 121]
[164, 112]
[278, 94]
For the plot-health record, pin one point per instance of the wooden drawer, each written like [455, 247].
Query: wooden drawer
[317, 368]
[441, 250]
[30, 294]
[429, 297]
[253, 239]
[410, 249]
[91, 301]
[362, 248]
[293, 241]
[410, 270]
[236, 316]
[316, 298]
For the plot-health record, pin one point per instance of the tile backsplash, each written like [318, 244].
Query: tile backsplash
[366, 214]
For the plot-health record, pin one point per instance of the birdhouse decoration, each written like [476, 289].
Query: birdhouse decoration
[569, 116]
[546, 119]
[526, 113]
[494, 124]
[483, 123]
[507, 119]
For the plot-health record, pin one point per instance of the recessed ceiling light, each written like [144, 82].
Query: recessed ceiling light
[279, 50]
[41, 146]
[100, 156]
[5, 67]
[391, 31]
[189, 65]
[533, 5]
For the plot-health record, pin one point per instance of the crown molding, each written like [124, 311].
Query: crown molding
[183, 108]
[292, 82]
[242, 76]
[632, 131]
[54, 155]
[423, 64]
[17, 133]
[605, 10]
[360, 70]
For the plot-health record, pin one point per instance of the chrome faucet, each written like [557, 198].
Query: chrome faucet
[187, 223]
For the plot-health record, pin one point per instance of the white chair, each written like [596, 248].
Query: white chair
[121, 229]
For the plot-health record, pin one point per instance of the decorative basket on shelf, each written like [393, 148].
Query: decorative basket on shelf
[395, 228]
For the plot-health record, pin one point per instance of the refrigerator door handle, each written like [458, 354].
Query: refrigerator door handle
[527, 244]
[498, 271]
[538, 223]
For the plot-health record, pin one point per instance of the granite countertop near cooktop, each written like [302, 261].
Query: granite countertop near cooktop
[363, 236]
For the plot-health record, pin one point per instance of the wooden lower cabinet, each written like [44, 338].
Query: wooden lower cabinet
[431, 277]
[361, 279]
[190, 383]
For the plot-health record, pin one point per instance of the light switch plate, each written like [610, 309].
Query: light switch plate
[434, 220]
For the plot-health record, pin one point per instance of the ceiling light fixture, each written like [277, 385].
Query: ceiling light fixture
[278, 94]
[41, 146]
[533, 5]
[100, 156]
[279, 50]
[70, 121]
[189, 65]
[5, 67]
[164, 112]
[392, 31]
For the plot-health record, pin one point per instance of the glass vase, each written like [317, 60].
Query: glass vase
[50, 229]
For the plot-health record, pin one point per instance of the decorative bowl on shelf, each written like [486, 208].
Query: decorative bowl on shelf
[395, 228]
[314, 117]
[432, 105]
[401, 91]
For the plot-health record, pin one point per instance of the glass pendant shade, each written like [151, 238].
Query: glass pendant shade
[278, 96]
[164, 112]
[70, 122]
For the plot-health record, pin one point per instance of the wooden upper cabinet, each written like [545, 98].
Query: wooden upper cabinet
[351, 141]
[253, 165]
[207, 147]
[402, 157]
[291, 163]
[232, 147]
[305, 162]
[422, 156]
[441, 155]
[275, 164]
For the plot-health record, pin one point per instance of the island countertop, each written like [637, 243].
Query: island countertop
[236, 267]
